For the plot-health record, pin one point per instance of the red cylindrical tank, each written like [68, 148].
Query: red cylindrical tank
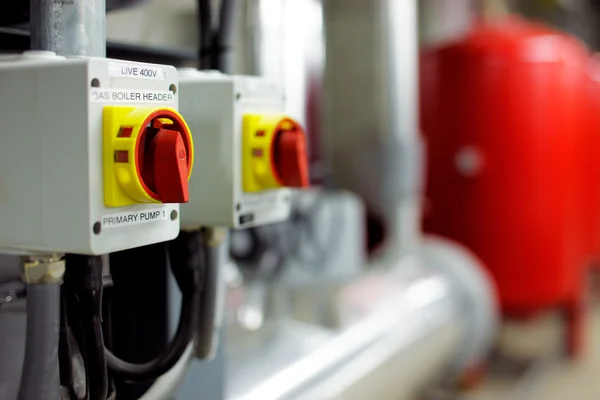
[590, 158]
[503, 113]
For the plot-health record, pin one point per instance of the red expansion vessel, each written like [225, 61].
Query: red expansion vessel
[590, 159]
[506, 114]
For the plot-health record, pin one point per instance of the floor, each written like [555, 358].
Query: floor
[533, 368]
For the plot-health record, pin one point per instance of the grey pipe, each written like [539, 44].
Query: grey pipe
[371, 107]
[39, 380]
[437, 320]
[211, 298]
[69, 28]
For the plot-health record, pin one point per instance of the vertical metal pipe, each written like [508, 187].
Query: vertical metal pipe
[281, 40]
[400, 41]
[69, 28]
[371, 107]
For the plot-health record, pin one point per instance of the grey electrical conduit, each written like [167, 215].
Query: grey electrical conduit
[39, 379]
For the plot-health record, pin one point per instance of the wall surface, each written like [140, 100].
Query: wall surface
[162, 23]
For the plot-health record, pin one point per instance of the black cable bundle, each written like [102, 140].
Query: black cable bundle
[83, 288]
[213, 46]
[64, 346]
[186, 259]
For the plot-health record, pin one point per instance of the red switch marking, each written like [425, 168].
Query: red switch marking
[122, 156]
[125, 131]
[260, 133]
[257, 152]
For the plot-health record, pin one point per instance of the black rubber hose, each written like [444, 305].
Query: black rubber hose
[186, 259]
[192, 252]
[220, 38]
[225, 21]
[163, 363]
[64, 344]
[107, 326]
[83, 279]
[95, 359]
[205, 31]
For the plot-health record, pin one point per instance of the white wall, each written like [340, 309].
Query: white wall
[441, 20]
[167, 23]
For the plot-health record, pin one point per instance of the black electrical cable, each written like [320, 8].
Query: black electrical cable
[107, 326]
[221, 36]
[252, 252]
[64, 344]
[263, 258]
[163, 363]
[186, 261]
[106, 311]
[225, 21]
[196, 251]
[205, 33]
[83, 280]
[95, 359]
[213, 42]
[74, 340]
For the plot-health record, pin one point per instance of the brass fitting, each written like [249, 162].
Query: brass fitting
[214, 236]
[42, 269]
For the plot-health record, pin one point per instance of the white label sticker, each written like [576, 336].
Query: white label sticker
[125, 70]
[131, 96]
[134, 218]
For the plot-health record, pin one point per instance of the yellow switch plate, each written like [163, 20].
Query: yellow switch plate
[122, 183]
[258, 134]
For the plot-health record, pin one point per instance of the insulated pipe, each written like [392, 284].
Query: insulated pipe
[39, 379]
[434, 313]
[69, 28]
[43, 277]
[369, 97]
[370, 108]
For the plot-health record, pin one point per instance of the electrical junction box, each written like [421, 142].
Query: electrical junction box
[94, 156]
[250, 152]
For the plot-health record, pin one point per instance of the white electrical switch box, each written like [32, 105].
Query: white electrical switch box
[249, 153]
[94, 156]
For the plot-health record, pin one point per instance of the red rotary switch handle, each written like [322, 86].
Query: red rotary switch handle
[168, 170]
[290, 158]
